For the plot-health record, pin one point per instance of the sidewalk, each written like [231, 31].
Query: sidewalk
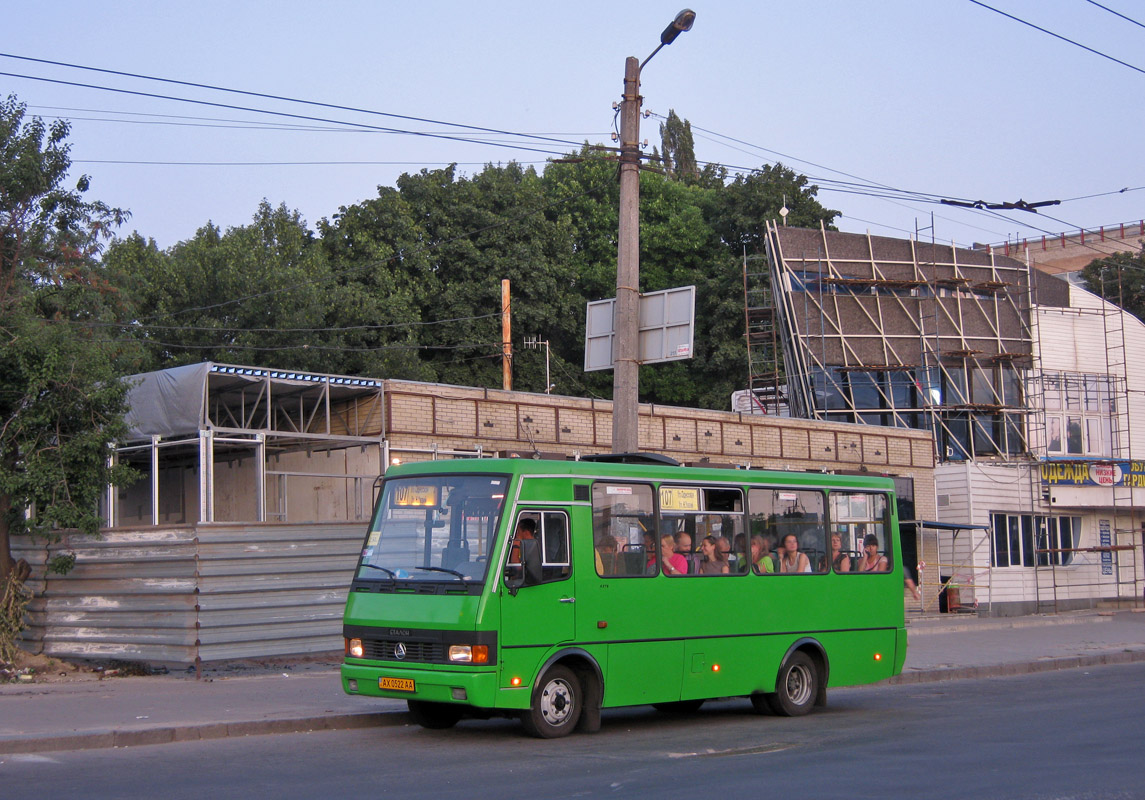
[131, 711]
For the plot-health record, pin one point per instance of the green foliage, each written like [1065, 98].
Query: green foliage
[679, 156]
[62, 563]
[1120, 279]
[61, 402]
[408, 284]
[259, 293]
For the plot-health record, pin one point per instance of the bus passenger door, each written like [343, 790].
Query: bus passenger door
[544, 613]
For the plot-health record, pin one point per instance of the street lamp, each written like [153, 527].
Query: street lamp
[626, 345]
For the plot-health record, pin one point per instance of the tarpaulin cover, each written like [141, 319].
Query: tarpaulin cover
[168, 402]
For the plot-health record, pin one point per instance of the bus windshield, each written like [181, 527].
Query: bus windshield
[433, 528]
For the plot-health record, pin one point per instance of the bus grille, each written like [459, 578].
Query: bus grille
[385, 650]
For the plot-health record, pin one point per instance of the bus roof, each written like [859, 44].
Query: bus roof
[646, 471]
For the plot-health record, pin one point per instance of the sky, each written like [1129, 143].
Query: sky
[941, 97]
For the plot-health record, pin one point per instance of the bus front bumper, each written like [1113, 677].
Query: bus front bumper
[475, 688]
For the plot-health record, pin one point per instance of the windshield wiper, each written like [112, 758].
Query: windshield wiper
[464, 579]
[393, 577]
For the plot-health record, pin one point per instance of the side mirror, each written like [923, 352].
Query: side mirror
[530, 573]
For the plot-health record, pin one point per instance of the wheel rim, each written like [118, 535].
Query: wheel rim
[799, 684]
[556, 702]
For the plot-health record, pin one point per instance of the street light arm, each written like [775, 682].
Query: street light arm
[683, 22]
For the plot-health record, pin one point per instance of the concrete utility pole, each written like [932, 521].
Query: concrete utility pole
[626, 342]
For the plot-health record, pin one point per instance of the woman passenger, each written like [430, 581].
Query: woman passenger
[670, 561]
[840, 561]
[790, 559]
[871, 560]
[715, 561]
[761, 555]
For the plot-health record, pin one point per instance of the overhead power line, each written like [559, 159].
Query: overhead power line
[1059, 36]
[267, 96]
[1116, 13]
[400, 131]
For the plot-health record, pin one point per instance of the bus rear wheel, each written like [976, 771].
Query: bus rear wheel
[796, 686]
[435, 716]
[556, 705]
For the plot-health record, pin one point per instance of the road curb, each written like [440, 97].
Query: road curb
[1021, 668]
[96, 740]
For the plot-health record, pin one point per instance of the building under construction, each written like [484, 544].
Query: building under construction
[1028, 385]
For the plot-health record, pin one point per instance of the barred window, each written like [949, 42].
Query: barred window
[1027, 540]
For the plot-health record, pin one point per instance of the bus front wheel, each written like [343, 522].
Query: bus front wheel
[556, 704]
[435, 716]
[796, 686]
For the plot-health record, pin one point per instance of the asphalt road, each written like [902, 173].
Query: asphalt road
[1071, 734]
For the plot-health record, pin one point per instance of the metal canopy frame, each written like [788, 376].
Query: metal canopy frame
[262, 412]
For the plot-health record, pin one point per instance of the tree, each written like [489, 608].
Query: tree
[61, 402]
[1120, 279]
[679, 156]
[259, 293]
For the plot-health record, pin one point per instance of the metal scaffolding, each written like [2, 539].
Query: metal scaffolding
[893, 332]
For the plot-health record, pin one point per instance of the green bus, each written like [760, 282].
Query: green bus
[548, 590]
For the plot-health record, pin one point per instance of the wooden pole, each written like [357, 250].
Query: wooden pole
[506, 340]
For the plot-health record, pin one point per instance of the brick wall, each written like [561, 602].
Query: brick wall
[421, 417]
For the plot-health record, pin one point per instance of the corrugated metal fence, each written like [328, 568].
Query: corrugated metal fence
[179, 593]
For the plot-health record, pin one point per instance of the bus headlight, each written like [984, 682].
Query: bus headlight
[469, 653]
[354, 648]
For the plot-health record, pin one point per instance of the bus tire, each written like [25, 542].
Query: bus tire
[761, 703]
[679, 706]
[556, 704]
[796, 686]
[435, 716]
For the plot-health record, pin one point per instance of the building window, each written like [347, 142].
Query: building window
[1027, 540]
[1078, 414]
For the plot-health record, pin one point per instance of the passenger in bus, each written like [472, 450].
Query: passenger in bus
[871, 560]
[649, 553]
[724, 545]
[741, 543]
[790, 559]
[672, 562]
[715, 562]
[605, 554]
[839, 559]
[761, 555]
[684, 544]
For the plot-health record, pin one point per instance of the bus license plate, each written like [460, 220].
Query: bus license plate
[396, 684]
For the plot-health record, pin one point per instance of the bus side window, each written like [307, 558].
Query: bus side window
[857, 516]
[551, 529]
[555, 565]
[779, 512]
[622, 518]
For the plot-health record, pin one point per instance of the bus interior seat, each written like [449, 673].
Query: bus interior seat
[453, 555]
